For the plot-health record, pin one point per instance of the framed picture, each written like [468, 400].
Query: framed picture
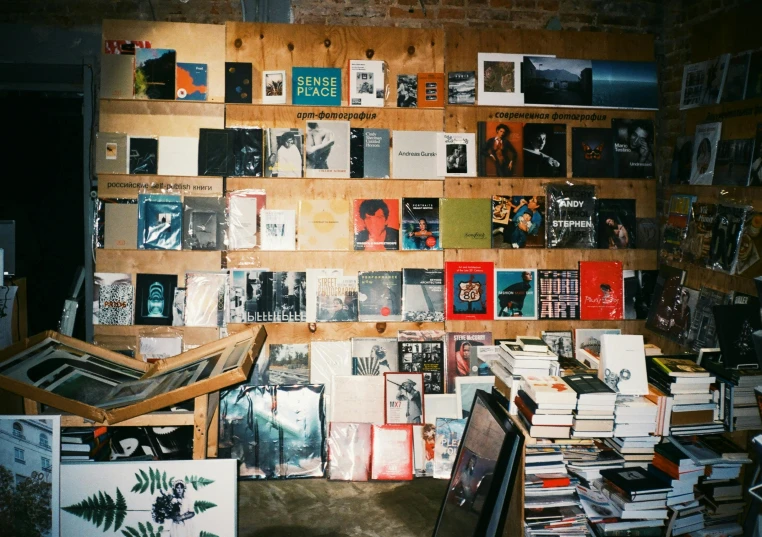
[515, 294]
[403, 398]
[465, 392]
[483, 478]
[273, 87]
[30, 458]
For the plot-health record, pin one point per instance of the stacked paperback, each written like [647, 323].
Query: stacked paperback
[85, 444]
[594, 416]
[634, 416]
[545, 406]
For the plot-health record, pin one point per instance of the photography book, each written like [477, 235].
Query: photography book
[592, 152]
[704, 158]
[204, 223]
[601, 290]
[465, 222]
[112, 298]
[379, 296]
[665, 299]
[316, 86]
[215, 152]
[415, 155]
[160, 222]
[572, 219]
[638, 292]
[703, 330]
[191, 80]
[735, 325]
[616, 224]
[366, 83]
[733, 163]
[118, 219]
[369, 153]
[323, 225]
[143, 155]
[462, 355]
[420, 224]
[456, 154]
[376, 224]
[431, 90]
[111, 153]
[633, 148]
[558, 294]
[326, 145]
[374, 355]
[500, 151]
[470, 287]
[178, 155]
[518, 221]
[154, 294]
[247, 152]
[117, 73]
[283, 151]
[274, 87]
[515, 294]
[238, 85]
[423, 295]
[427, 357]
[268, 296]
[544, 150]
[676, 228]
[407, 91]
[461, 87]
[155, 73]
[335, 296]
[244, 206]
[727, 234]
[680, 172]
[697, 243]
[278, 229]
[205, 297]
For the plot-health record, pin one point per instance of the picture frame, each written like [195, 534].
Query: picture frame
[485, 471]
[403, 398]
[274, 86]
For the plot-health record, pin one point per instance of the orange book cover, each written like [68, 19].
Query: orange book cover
[431, 90]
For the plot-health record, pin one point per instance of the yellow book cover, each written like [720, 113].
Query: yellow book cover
[323, 225]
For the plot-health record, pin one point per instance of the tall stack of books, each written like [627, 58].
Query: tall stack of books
[674, 466]
[740, 411]
[545, 405]
[636, 451]
[527, 356]
[85, 444]
[586, 462]
[634, 416]
[691, 408]
[594, 416]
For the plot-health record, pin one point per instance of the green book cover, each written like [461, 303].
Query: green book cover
[466, 222]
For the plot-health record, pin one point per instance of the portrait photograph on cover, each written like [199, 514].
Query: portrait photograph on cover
[404, 398]
[515, 294]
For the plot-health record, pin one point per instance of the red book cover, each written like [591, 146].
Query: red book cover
[470, 286]
[392, 458]
[377, 224]
[601, 291]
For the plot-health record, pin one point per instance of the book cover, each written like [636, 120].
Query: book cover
[283, 150]
[379, 296]
[119, 222]
[515, 294]
[238, 82]
[289, 363]
[633, 147]
[376, 224]
[517, 221]
[247, 152]
[420, 224]
[178, 155]
[143, 155]
[697, 243]
[349, 451]
[469, 290]
[623, 364]
[449, 433]
[754, 78]
[666, 293]
[461, 87]
[407, 91]
[639, 288]
[369, 153]
[336, 298]
[423, 295]
[327, 149]
[403, 398]
[456, 155]
[735, 325]
[392, 452]
[560, 342]
[205, 298]
[548, 389]
[733, 164]
[316, 86]
[680, 367]
[589, 341]
[725, 242]
[426, 357]
[111, 153]
[323, 225]
[120, 46]
[592, 152]
[244, 294]
[557, 81]
[160, 222]
[616, 224]
[273, 87]
[244, 206]
[500, 79]
[281, 297]
[703, 82]
[465, 222]
[500, 149]
[431, 90]
[705, 143]
[625, 84]
[415, 155]
[647, 232]
[278, 229]
[572, 218]
[191, 80]
[114, 306]
[215, 152]
[585, 384]
[366, 83]
[601, 290]
[634, 480]
[154, 294]
[117, 73]
[676, 228]
[204, 223]
[558, 294]
[703, 331]
[374, 355]
[155, 73]
[755, 172]
[680, 172]
[461, 355]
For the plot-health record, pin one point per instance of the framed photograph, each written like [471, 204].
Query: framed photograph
[30, 458]
[403, 398]
[484, 474]
[465, 392]
[515, 294]
[273, 87]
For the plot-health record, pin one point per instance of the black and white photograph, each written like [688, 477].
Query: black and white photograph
[265, 296]
[154, 296]
[366, 83]
[403, 398]
[424, 357]
[705, 153]
[639, 288]
[327, 149]
[456, 154]
[204, 223]
[633, 147]
[461, 87]
[560, 343]
[374, 355]
[726, 237]
[733, 164]
[274, 87]
[407, 91]
[557, 81]
[289, 363]
[283, 148]
[423, 295]
[544, 150]
[498, 79]
[616, 224]
[703, 82]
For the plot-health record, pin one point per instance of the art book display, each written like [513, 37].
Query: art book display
[469, 288]
[283, 150]
[500, 149]
[558, 294]
[376, 224]
[327, 149]
[516, 294]
[420, 224]
[462, 351]
[616, 224]
[572, 218]
[423, 294]
[423, 352]
[517, 221]
[544, 150]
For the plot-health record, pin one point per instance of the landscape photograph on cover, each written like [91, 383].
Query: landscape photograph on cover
[500, 149]
[518, 222]
[557, 81]
[461, 87]
[620, 84]
[516, 296]
[276, 432]
[733, 163]
[155, 73]
[544, 150]
[592, 152]
[289, 363]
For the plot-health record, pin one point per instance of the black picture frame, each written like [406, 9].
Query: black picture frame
[477, 504]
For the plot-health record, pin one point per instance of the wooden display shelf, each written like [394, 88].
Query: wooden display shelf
[556, 259]
[184, 101]
[130, 185]
[157, 261]
[140, 117]
[303, 333]
[509, 329]
[350, 261]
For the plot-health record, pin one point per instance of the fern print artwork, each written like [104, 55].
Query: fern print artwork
[150, 499]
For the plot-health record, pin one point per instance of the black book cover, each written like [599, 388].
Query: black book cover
[425, 357]
[743, 298]
[215, 152]
[633, 148]
[735, 325]
[703, 332]
[154, 294]
[616, 224]
[669, 283]
[238, 82]
[247, 152]
[647, 231]
[356, 153]
[639, 287]
[558, 295]
[670, 452]
[571, 219]
[144, 156]
[726, 237]
[544, 150]
[733, 162]
[203, 223]
[279, 298]
[586, 384]
[592, 152]
[423, 295]
[379, 296]
[755, 173]
[682, 159]
[635, 480]
[420, 224]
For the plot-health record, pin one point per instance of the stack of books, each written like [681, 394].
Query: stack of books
[545, 405]
[594, 416]
[636, 451]
[692, 407]
[85, 444]
[740, 411]
[527, 357]
[683, 473]
[586, 462]
[634, 416]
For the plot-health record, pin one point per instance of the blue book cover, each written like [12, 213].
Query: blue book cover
[191, 81]
[316, 86]
[160, 222]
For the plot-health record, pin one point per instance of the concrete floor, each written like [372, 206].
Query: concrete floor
[321, 508]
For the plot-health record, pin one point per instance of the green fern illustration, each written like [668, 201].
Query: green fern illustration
[207, 534]
[144, 530]
[101, 509]
[198, 482]
[200, 506]
[154, 480]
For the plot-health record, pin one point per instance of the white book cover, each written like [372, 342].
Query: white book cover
[549, 389]
[358, 399]
[366, 83]
[440, 405]
[278, 229]
[703, 82]
[456, 154]
[623, 364]
[242, 222]
[705, 143]
[101, 279]
[499, 79]
[329, 359]
[205, 298]
[465, 391]
[327, 149]
[314, 278]
[273, 87]
[414, 155]
[178, 155]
